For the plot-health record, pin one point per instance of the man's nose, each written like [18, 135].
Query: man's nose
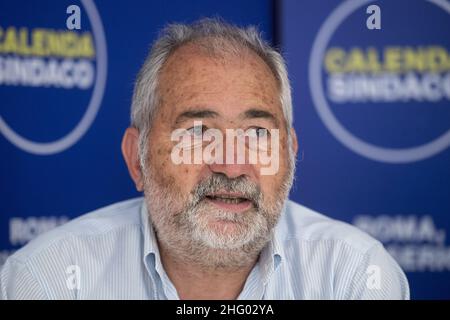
[232, 170]
[234, 161]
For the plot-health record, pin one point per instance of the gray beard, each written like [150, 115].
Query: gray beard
[183, 226]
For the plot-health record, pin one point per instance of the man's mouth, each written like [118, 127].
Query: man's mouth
[230, 201]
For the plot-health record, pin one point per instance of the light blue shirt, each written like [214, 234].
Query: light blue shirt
[112, 253]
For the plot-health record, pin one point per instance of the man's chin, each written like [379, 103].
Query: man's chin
[227, 229]
[225, 233]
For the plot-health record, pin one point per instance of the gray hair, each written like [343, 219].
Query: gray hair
[215, 36]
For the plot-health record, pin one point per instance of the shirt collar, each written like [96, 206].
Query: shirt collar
[269, 260]
[272, 255]
[152, 257]
[150, 243]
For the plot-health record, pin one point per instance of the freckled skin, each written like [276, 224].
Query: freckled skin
[228, 86]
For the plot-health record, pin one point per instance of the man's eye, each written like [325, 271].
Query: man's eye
[196, 131]
[259, 132]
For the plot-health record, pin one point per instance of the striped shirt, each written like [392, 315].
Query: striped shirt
[112, 253]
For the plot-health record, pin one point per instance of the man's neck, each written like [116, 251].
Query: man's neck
[197, 282]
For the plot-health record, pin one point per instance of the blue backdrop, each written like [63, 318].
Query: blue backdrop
[373, 116]
[371, 110]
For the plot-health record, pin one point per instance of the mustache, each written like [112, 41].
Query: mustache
[219, 182]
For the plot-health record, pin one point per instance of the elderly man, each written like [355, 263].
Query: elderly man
[215, 222]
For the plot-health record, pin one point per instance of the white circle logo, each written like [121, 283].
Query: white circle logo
[87, 119]
[361, 147]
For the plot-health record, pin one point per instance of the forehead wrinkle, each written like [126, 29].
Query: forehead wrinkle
[176, 89]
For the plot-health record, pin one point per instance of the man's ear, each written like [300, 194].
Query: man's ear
[294, 141]
[130, 152]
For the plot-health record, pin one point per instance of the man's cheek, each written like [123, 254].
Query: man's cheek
[159, 158]
[184, 175]
[270, 186]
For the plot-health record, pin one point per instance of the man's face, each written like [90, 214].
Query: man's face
[217, 205]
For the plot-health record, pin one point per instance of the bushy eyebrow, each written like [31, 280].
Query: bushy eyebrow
[253, 113]
[195, 114]
[263, 114]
